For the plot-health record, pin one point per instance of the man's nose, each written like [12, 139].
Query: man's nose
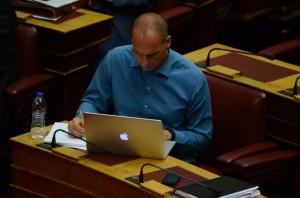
[144, 60]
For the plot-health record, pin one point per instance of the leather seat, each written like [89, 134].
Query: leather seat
[179, 17]
[240, 145]
[192, 25]
[29, 79]
[287, 51]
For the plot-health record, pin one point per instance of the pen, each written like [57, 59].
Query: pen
[81, 118]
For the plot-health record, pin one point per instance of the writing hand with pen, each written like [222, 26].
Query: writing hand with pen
[76, 126]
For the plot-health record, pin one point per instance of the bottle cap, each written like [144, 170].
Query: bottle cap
[40, 94]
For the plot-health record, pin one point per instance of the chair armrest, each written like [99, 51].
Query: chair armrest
[265, 159]
[270, 164]
[225, 161]
[24, 87]
[282, 49]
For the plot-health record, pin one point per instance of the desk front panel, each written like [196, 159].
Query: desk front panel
[41, 172]
[66, 42]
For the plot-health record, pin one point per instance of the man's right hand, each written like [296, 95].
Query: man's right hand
[76, 127]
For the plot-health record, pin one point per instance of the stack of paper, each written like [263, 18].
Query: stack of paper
[55, 3]
[229, 188]
[64, 139]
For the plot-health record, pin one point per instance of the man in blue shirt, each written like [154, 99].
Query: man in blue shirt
[149, 80]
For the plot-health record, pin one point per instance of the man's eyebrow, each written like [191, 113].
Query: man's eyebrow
[145, 54]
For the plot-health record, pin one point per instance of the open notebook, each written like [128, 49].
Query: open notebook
[126, 135]
[64, 139]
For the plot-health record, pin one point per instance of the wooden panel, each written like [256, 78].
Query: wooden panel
[18, 191]
[46, 186]
[29, 172]
[33, 166]
[64, 43]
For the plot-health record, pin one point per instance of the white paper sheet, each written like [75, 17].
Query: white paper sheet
[64, 139]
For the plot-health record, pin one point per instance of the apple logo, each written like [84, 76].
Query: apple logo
[124, 136]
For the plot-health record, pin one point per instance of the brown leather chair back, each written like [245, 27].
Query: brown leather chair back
[239, 117]
[29, 79]
[28, 51]
[159, 5]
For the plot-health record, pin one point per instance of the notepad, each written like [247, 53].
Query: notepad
[64, 139]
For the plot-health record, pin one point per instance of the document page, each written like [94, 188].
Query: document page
[64, 139]
[55, 3]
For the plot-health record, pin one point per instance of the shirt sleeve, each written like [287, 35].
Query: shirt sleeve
[97, 98]
[198, 128]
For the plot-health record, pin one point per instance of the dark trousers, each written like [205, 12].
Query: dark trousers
[8, 57]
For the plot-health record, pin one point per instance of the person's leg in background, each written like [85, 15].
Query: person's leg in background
[8, 59]
[8, 53]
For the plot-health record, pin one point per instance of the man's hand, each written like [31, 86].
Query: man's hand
[167, 135]
[76, 127]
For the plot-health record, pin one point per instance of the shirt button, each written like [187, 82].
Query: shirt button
[146, 106]
[148, 88]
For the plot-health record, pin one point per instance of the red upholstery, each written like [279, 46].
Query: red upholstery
[225, 161]
[29, 79]
[240, 144]
[28, 50]
[179, 13]
[180, 18]
[267, 166]
[239, 117]
[259, 161]
[160, 6]
[287, 51]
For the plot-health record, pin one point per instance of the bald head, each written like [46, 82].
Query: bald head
[149, 23]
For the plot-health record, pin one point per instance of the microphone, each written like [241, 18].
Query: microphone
[141, 178]
[295, 90]
[53, 142]
[207, 62]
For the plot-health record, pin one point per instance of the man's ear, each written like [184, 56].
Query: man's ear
[168, 40]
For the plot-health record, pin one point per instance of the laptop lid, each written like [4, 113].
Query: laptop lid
[126, 135]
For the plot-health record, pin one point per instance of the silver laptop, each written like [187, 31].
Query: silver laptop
[126, 135]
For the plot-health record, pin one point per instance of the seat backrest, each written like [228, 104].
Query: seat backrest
[28, 51]
[287, 51]
[239, 117]
[160, 6]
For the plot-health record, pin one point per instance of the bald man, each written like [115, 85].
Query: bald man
[149, 80]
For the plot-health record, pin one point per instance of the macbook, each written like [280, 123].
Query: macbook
[126, 135]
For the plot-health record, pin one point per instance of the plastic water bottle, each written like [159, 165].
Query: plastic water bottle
[39, 108]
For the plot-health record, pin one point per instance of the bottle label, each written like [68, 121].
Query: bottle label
[38, 125]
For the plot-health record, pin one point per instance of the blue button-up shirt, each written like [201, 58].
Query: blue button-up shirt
[176, 93]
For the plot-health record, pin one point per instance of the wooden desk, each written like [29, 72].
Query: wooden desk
[283, 110]
[66, 49]
[37, 172]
